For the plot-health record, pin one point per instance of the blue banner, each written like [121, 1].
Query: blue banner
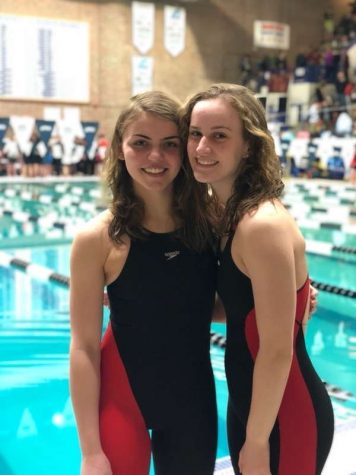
[90, 130]
[45, 128]
[4, 123]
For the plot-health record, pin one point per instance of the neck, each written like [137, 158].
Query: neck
[158, 211]
[222, 193]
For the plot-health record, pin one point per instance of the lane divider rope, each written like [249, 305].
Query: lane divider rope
[43, 272]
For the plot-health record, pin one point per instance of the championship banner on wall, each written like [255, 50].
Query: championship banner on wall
[45, 129]
[174, 29]
[4, 123]
[142, 73]
[143, 26]
[271, 34]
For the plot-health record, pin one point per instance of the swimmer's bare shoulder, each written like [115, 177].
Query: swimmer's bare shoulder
[93, 242]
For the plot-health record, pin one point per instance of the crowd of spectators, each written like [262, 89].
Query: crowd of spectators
[330, 66]
[36, 158]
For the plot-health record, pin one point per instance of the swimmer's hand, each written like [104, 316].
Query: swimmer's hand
[96, 464]
[313, 300]
[254, 458]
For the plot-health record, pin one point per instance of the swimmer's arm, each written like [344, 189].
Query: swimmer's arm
[86, 291]
[219, 315]
[269, 259]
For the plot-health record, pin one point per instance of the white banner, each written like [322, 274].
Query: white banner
[143, 16]
[270, 34]
[174, 29]
[142, 73]
[44, 59]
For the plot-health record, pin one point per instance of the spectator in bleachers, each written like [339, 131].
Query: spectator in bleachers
[314, 117]
[347, 24]
[313, 66]
[316, 169]
[79, 156]
[57, 150]
[329, 25]
[265, 64]
[245, 69]
[294, 170]
[301, 60]
[282, 62]
[10, 154]
[73, 162]
[336, 165]
[329, 74]
[340, 85]
[314, 164]
[47, 164]
[33, 157]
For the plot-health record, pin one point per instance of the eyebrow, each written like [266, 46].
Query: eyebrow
[212, 128]
[170, 137]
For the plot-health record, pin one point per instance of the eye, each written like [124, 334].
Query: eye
[194, 133]
[139, 143]
[171, 144]
[219, 135]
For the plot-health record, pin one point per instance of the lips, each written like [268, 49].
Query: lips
[154, 171]
[206, 163]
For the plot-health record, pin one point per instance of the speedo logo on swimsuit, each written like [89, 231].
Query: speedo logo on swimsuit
[171, 255]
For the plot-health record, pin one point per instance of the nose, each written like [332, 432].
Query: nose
[155, 153]
[203, 147]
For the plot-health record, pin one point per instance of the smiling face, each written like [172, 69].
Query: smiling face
[151, 149]
[216, 144]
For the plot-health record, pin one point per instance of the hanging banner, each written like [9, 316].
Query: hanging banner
[142, 73]
[45, 129]
[270, 34]
[4, 123]
[143, 26]
[174, 29]
[90, 130]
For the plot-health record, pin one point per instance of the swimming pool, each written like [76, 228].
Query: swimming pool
[38, 434]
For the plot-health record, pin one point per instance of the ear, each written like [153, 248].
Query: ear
[121, 155]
